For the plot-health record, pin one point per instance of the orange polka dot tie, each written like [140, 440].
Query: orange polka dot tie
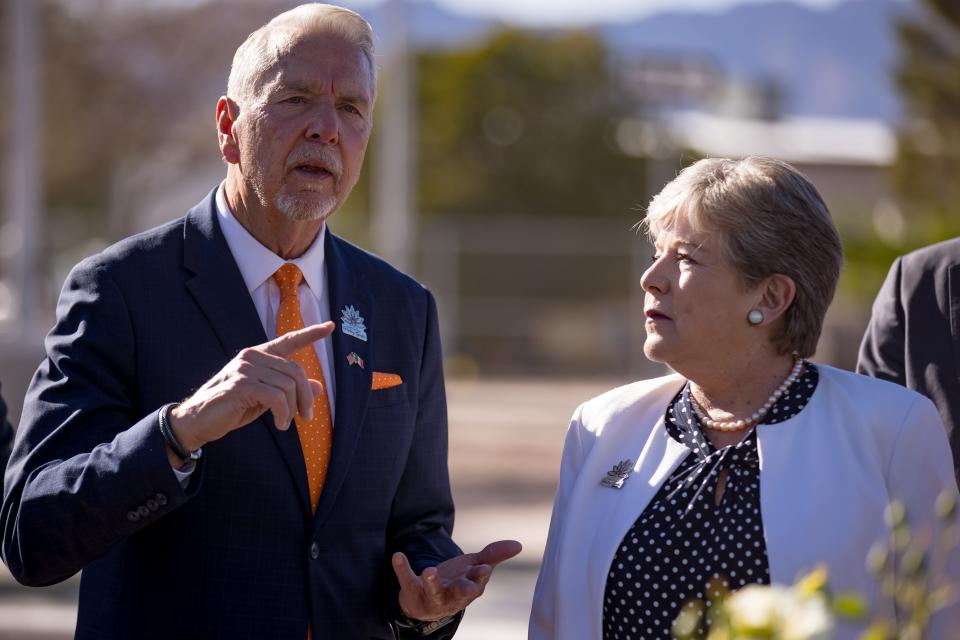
[316, 435]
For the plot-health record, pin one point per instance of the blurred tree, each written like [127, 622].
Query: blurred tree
[928, 159]
[79, 134]
[924, 174]
[524, 123]
[128, 98]
[95, 119]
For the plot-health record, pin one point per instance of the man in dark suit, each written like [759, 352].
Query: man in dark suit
[6, 440]
[914, 333]
[220, 459]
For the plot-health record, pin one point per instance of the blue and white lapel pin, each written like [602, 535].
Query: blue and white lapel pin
[351, 323]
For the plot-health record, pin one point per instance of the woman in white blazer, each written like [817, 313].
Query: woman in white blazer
[750, 464]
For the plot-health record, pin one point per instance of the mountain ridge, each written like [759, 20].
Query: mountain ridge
[836, 61]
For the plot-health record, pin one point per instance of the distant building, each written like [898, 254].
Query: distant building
[658, 82]
[846, 159]
[687, 106]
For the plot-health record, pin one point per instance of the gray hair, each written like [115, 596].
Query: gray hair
[264, 47]
[770, 220]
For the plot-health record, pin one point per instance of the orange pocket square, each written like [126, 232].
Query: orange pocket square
[385, 381]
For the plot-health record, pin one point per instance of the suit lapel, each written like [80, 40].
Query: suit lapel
[220, 292]
[346, 289]
[633, 429]
[656, 458]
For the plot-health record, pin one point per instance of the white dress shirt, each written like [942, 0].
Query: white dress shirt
[257, 265]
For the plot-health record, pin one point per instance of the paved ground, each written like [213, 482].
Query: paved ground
[505, 442]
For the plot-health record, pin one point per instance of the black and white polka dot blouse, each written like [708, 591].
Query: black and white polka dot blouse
[686, 545]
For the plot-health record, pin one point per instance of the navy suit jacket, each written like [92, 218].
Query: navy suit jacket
[6, 440]
[237, 554]
[913, 337]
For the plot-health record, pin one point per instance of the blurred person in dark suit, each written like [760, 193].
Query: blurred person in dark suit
[913, 337]
[219, 458]
[6, 440]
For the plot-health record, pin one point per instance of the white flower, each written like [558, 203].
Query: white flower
[807, 618]
[779, 612]
[755, 608]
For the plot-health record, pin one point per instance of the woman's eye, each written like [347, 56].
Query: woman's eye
[295, 100]
[655, 257]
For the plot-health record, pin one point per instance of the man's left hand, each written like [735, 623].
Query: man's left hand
[450, 586]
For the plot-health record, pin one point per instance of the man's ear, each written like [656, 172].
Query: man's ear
[227, 112]
[777, 293]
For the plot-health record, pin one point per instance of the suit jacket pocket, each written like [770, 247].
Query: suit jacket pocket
[388, 397]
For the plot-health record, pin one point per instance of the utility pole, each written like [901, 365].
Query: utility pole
[22, 224]
[394, 218]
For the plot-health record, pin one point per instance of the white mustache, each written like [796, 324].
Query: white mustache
[323, 157]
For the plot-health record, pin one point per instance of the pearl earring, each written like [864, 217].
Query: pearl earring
[755, 316]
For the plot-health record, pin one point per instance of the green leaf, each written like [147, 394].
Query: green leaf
[688, 621]
[914, 561]
[851, 606]
[895, 514]
[946, 506]
[878, 559]
[813, 582]
[877, 631]
[941, 597]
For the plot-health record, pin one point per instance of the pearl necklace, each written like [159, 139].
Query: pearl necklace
[746, 423]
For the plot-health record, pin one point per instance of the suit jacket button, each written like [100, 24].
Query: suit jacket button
[314, 551]
[161, 499]
[152, 504]
[133, 516]
[143, 511]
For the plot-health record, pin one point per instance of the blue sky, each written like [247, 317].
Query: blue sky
[525, 12]
[572, 12]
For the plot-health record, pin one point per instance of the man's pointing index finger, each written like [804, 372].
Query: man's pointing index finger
[289, 343]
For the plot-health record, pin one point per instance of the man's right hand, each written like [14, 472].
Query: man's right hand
[258, 379]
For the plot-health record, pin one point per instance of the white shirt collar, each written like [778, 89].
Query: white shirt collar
[258, 263]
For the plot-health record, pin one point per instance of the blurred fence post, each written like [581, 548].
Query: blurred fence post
[21, 226]
[394, 223]
[439, 269]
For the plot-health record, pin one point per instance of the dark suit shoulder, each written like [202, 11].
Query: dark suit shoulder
[6, 439]
[923, 275]
[933, 257]
[378, 272]
[137, 255]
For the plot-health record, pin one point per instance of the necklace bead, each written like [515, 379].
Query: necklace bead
[757, 416]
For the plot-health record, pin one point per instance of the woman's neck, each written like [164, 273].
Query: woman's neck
[736, 389]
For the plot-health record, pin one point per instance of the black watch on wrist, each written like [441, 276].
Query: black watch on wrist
[171, 438]
[422, 627]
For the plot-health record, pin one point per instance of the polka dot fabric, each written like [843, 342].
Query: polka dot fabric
[384, 381]
[687, 544]
[316, 435]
